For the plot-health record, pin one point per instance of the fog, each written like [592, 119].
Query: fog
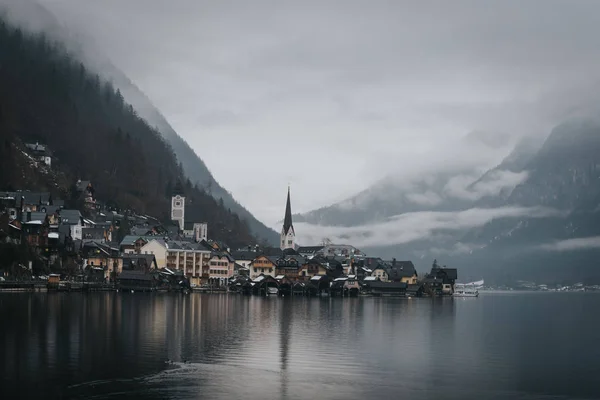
[331, 97]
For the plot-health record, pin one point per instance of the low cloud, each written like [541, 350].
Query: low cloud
[573, 244]
[492, 184]
[458, 249]
[410, 227]
[429, 198]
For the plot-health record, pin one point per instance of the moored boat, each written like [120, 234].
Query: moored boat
[465, 291]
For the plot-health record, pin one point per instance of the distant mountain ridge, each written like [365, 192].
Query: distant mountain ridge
[558, 180]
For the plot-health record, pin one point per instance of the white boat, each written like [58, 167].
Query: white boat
[465, 291]
[273, 290]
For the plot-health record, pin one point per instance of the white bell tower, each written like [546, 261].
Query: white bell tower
[178, 210]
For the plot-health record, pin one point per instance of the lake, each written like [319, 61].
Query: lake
[116, 345]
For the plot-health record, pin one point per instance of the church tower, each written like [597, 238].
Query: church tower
[288, 236]
[178, 206]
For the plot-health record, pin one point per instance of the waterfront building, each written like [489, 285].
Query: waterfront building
[190, 258]
[263, 265]
[158, 248]
[221, 268]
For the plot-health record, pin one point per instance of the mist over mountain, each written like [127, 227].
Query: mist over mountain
[536, 215]
[35, 17]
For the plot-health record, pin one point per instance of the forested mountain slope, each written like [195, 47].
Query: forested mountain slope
[46, 95]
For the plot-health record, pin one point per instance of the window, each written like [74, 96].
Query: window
[289, 242]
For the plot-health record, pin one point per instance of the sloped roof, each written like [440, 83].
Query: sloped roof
[70, 217]
[135, 275]
[309, 249]
[248, 255]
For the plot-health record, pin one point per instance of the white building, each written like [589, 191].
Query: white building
[178, 210]
[158, 248]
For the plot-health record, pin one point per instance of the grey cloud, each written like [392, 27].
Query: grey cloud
[429, 198]
[573, 244]
[462, 187]
[409, 227]
[367, 88]
[457, 249]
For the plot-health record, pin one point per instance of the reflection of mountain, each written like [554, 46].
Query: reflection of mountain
[563, 174]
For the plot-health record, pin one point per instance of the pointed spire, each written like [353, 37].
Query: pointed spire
[287, 221]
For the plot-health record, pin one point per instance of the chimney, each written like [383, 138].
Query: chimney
[28, 216]
[393, 262]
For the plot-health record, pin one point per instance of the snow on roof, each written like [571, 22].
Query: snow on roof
[370, 278]
[53, 235]
[367, 269]
[259, 278]
[341, 279]
[278, 277]
[34, 222]
[316, 277]
[351, 276]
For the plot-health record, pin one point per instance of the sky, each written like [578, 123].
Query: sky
[331, 96]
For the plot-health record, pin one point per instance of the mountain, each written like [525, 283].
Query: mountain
[194, 168]
[47, 95]
[452, 186]
[34, 17]
[541, 204]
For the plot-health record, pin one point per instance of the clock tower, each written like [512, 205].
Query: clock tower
[178, 207]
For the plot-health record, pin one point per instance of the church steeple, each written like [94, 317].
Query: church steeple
[288, 236]
[287, 221]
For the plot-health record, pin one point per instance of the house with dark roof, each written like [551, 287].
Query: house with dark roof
[221, 267]
[440, 280]
[135, 280]
[309, 251]
[402, 271]
[40, 152]
[289, 266]
[312, 267]
[263, 265]
[139, 262]
[74, 220]
[244, 256]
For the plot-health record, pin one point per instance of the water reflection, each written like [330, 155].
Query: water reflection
[102, 344]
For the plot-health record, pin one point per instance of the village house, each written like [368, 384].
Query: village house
[309, 251]
[221, 266]
[196, 231]
[40, 152]
[191, 258]
[311, 268]
[440, 280]
[380, 272]
[134, 244]
[263, 265]
[139, 262]
[289, 266]
[74, 221]
[402, 271]
[158, 248]
[101, 256]
[244, 257]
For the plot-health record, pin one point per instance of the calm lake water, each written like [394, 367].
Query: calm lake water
[113, 345]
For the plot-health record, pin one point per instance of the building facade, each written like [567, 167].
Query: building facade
[178, 210]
